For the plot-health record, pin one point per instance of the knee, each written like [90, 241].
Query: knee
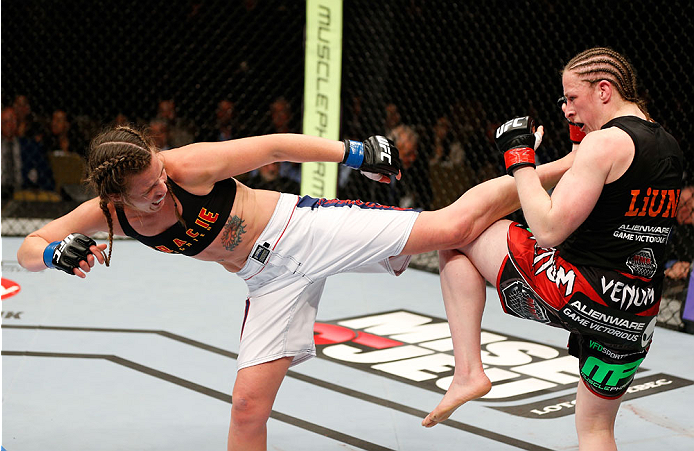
[248, 414]
[458, 231]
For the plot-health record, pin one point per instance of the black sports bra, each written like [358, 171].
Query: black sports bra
[204, 217]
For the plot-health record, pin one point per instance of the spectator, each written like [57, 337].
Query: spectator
[181, 131]
[393, 119]
[121, 119]
[27, 125]
[352, 117]
[23, 163]
[413, 190]
[226, 125]
[445, 147]
[268, 178]
[681, 242]
[61, 136]
[159, 132]
[281, 118]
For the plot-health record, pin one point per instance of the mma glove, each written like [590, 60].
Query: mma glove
[375, 157]
[576, 135]
[66, 255]
[517, 140]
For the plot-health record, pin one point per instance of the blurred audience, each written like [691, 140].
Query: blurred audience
[226, 124]
[159, 132]
[681, 242]
[282, 121]
[61, 136]
[413, 190]
[27, 124]
[392, 120]
[268, 177]
[24, 165]
[181, 130]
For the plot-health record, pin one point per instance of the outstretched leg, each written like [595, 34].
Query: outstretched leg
[464, 292]
[595, 418]
[254, 393]
[464, 308]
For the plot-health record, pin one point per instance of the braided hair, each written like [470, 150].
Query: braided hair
[602, 63]
[114, 156]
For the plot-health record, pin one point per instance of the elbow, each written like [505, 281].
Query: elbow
[547, 238]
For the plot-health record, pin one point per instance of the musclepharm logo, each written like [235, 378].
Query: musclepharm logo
[608, 375]
[385, 148]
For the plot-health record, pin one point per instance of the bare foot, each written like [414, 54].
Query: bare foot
[458, 394]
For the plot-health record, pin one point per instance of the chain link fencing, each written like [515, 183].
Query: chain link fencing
[436, 77]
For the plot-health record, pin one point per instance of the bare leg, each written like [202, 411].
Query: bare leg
[254, 393]
[595, 418]
[464, 293]
[464, 310]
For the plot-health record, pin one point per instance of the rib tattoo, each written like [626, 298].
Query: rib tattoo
[232, 231]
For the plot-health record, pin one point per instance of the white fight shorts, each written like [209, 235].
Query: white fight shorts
[305, 241]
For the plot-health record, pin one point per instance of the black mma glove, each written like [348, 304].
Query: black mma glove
[66, 255]
[576, 135]
[375, 157]
[517, 140]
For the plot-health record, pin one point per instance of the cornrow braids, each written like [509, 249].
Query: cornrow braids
[602, 63]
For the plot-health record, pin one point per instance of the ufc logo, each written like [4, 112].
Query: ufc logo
[385, 148]
[519, 122]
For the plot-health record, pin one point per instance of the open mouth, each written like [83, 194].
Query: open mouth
[159, 201]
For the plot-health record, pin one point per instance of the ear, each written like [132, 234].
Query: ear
[605, 90]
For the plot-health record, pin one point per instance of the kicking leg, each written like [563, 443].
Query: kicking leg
[464, 310]
[595, 418]
[254, 393]
[461, 222]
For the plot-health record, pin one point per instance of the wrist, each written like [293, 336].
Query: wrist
[519, 157]
[48, 254]
[354, 154]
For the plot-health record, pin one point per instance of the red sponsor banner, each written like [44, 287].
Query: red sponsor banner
[9, 288]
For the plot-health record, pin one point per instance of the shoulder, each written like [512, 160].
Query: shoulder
[187, 165]
[611, 150]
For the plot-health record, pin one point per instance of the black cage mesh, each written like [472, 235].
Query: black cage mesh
[437, 77]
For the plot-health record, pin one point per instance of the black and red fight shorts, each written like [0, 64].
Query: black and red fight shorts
[611, 315]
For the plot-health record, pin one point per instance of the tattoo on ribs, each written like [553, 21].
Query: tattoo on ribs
[232, 231]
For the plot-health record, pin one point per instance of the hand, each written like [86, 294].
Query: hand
[518, 140]
[377, 158]
[680, 270]
[76, 254]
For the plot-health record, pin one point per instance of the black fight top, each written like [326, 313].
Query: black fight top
[204, 217]
[629, 226]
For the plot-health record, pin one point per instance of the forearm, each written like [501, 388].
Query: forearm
[501, 194]
[536, 204]
[304, 148]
